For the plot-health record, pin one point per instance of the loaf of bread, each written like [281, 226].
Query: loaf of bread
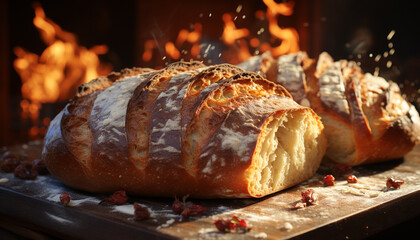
[365, 117]
[211, 132]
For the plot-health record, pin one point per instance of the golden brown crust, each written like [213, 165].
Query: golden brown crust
[140, 107]
[187, 129]
[391, 124]
[381, 126]
[104, 125]
[263, 64]
[218, 102]
[106, 81]
[60, 162]
[75, 123]
[229, 160]
[200, 82]
[290, 75]
[75, 127]
[368, 112]
[357, 109]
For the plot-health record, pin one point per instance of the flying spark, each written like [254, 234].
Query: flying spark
[390, 35]
[238, 8]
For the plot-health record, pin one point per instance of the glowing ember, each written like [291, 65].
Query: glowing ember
[390, 35]
[55, 74]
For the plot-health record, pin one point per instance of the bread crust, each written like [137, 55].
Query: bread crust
[263, 64]
[75, 146]
[215, 105]
[90, 144]
[201, 82]
[290, 74]
[228, 161]
[140, 107]
[61, 162]
[365, 117]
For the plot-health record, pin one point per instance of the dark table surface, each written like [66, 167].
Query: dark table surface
[345, 211]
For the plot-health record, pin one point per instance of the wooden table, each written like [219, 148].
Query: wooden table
[344, 211]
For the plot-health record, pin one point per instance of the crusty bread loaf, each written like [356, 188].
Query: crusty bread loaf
[186, 129]
[262, 64]
[365, 117]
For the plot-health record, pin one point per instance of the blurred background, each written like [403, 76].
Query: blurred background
[48, 48]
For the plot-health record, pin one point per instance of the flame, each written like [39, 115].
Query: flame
[175, 49]
[285, 9]
[149, 45]
[230, 32]
[239, 41]
[191, 37]
[288, 36]
[172, 51]
[55, 74]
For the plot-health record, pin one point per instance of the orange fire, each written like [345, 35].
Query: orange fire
[285, 9]
[230, 32]
[55, 74]
[288, 36]
[239, 41]
[173, 50]
[235, 38]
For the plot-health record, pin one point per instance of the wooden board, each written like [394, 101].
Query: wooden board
[343, 211]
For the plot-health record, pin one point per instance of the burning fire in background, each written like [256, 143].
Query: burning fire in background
[239, 43]
[224, 32]
[54, 75]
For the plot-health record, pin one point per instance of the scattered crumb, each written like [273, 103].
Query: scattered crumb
[261, 235]
[126, 209]
[287, 227]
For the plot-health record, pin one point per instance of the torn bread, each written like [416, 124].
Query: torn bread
[211, 132]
